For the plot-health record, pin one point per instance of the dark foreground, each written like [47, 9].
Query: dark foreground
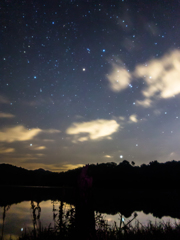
[81, 222]
[153, 232]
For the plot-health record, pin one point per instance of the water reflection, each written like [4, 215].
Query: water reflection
[5, 209]
[31, 215]
[141, 218]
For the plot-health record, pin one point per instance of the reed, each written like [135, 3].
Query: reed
[103, 231]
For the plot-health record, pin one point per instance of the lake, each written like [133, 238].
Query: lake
[20, 213]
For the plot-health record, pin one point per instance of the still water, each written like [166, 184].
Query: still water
[20, 217]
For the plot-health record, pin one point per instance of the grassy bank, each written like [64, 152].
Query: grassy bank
[165, 231]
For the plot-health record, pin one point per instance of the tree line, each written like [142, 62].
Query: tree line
[110, 175]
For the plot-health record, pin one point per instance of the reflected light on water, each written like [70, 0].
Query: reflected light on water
[20, 217]
[142, 218]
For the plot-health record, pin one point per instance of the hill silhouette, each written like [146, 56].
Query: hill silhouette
[108, 175]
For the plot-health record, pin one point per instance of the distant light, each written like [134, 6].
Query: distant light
[121, 156]
[31, 144]
[122, 219]
[52, 22]
[165, 112]
[35, 77]
[104, 50]
[136, 145]
[21, 229]
[84, 69]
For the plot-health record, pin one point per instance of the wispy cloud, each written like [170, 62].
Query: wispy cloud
[48, 140]
[119, 78]
[4, 100]
[6, 115]
[108, 156]
[93, 130]
[161, 78]
[39, 148]
[67, 167]
[144, 103]
[122, 118]
[20, 133]
[6, 150]
[133, 118]
[40, 154]
[51, 167]
[40, 101]
[51, 131]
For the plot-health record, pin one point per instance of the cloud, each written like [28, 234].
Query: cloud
[119, 78]
[18, 161]
[133, 118]
[67, 167]
[6, 150]
[52, 131]
[144, 103]
[108, 156]
[51, 167]
[172, 154]
[162, 76]
[4, 100]
[38, 102]
[78, 117]
[157, 112]
[20, 133]
[40, 154]
[122, 118]
[94, 130]
[48, 140]
[39, 148]
[6, 115]
[82, 139]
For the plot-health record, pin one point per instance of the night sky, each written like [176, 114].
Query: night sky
[89, 82]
